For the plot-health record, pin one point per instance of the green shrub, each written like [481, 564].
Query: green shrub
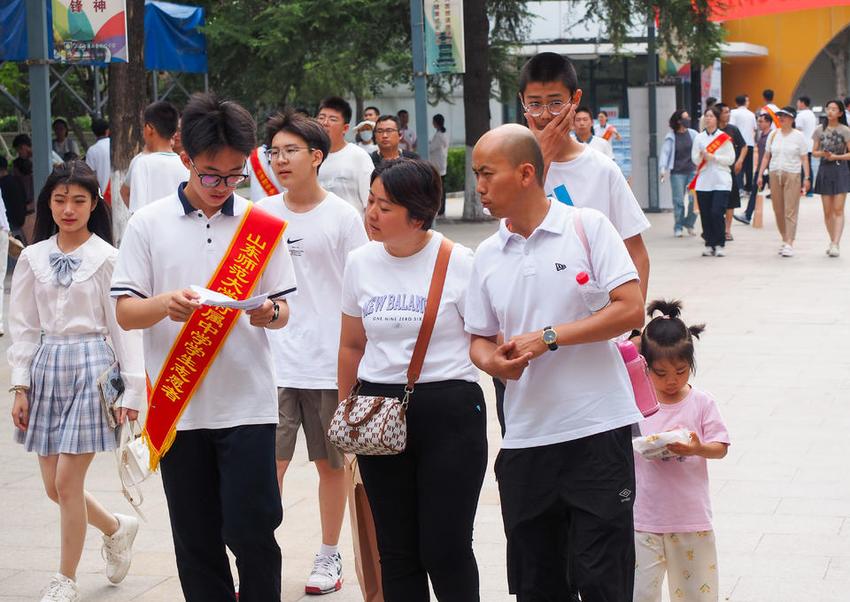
[456, 169]
[9, 123]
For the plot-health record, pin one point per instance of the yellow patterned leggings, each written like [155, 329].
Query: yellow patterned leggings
[689, 559]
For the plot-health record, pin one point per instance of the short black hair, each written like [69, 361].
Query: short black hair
[584, 109]
[388, 117]
[440, 122]
[79, 173]
[415, 185]
[721, 105]
[337, 103]
[741, 100]
[805, 100]
[20, 140]
[99, 127]
[667, 336]
[767, 94]
[60, 121]
[676, 119]
[306, 128]
[548, 67]
[402, 112]
[374, 108]
[210, 124]
[847, 101]
[710, 102]
[163, 117]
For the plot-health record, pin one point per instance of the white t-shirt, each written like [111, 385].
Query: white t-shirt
[346, 173]
[807, 123]
[786, 152]
[520, 285]
[168, 245]
[594, 180]
[389, 293]
[306, 350]
[715, 175]
[257, 191]
[408, 139]
[600, 144]
[745, 120]
[97, 157]
[438, 152]
[155, 176]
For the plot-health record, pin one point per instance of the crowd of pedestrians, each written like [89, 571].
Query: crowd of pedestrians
[340, 260]
[767, 153]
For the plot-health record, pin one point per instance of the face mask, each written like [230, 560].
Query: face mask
[686, 123]
[366, 135]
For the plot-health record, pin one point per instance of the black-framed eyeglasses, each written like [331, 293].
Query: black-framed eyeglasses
[272, 154]
[211, 180]
[382, 131]
[536, 109]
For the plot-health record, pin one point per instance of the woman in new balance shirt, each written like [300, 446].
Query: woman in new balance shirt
[423, 499]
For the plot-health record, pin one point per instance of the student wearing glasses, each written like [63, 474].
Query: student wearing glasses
[346, 169]
[217, 456]
[388, 139]
[322, 229]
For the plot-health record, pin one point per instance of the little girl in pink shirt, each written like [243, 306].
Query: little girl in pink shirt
[672, 512]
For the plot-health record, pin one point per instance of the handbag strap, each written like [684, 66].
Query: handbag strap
[432, 306]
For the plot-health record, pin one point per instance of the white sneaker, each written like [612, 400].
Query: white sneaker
[708, 252]
[326, 576]
[787, 251]
[678, 234]
[61, 589]
[834, 251]
[692, 232]
[720, 252]
[117, 548]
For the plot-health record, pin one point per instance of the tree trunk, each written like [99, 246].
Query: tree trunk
[127, 101]
[476, 94]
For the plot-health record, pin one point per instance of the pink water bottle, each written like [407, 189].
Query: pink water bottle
[645, 397]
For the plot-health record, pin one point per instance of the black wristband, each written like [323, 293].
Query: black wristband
[276, 312]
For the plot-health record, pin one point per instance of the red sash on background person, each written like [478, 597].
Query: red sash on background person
[710, 149]
[773, 116]
[265, 182]
[203, 335]
[608, 133]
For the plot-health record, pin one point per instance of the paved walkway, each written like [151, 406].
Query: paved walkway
[774, 355]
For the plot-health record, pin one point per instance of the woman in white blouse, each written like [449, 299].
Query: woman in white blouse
[424, 499]
[713, 181]
[786, 151]
[61, 315]
[438, 154]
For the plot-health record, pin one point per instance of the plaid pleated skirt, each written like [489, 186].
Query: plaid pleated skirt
[66, 416]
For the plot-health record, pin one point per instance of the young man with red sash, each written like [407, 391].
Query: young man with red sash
[212, 410]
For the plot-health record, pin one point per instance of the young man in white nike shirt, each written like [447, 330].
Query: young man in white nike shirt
[347, 169]
[322, 229]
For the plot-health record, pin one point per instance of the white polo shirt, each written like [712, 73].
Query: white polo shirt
[599, 144]
[306, 350]
[745, 120]
[594, 180]
[155, 176]
[169, 246]
[97, 157]
[522, 285]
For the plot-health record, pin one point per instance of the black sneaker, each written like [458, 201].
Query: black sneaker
[741, 217]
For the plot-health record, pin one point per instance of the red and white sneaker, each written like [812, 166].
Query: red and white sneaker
[326, 576]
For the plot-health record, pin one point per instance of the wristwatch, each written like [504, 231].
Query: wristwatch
[550, 338]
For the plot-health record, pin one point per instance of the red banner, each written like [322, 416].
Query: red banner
[742, 9]
[722, 139]
[201, 338]
[265, 182]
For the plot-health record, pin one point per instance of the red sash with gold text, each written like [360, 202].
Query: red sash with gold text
[773, 116]
[204, 334]
[710, 149]
[608, 133]
[265, 182]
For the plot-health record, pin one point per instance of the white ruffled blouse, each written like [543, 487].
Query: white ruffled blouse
[38, 304]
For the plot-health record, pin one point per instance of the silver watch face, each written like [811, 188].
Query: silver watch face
[549, 336]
